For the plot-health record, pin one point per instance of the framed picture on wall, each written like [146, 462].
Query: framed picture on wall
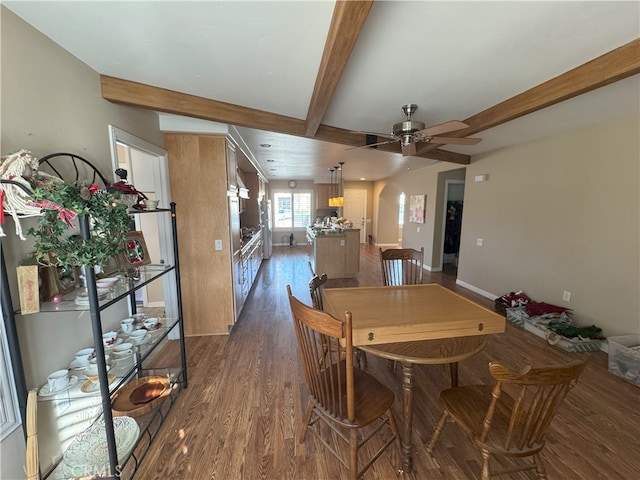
[416, 208]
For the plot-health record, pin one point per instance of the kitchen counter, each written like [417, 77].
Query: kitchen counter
[335, 251]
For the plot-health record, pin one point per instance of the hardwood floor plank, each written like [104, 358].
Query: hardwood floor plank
[241, 416]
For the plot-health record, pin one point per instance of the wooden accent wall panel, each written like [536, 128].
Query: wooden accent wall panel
[197, 172]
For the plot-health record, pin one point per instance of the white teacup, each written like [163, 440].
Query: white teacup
[150, 204]
[92, 369]
[123, 350]
[137, 336]
[109, 339]
[139, 317]
[151, 323]
[127, 325]
[58, 380]
[84, 355]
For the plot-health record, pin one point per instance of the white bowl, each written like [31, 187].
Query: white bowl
[106, 282]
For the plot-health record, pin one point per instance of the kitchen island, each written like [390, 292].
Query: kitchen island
[335, 251]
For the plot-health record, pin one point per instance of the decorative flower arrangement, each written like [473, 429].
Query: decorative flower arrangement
[61, 204]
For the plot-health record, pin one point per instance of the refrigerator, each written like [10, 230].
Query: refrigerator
[265, 227]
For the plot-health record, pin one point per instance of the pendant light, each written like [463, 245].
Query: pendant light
[339, 200]
[332, 198]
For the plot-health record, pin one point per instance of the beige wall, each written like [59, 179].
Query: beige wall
[427, 181]
[51, 102]
[560, 214]
[557, 214]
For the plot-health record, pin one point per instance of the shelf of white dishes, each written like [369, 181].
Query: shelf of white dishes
[112, 295]
[122, 369]
[148, 426]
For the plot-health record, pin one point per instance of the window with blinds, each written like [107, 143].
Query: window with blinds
[292, 209]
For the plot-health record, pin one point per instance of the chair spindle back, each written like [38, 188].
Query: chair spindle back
[401, 266]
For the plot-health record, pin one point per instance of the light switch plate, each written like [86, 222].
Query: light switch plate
[218, 244]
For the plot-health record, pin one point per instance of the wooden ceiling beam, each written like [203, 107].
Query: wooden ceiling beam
[141, 95]
[618, 64]
[346, 24]
[159, 99]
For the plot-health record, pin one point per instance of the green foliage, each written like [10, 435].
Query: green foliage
[58, 243]
[573, 331]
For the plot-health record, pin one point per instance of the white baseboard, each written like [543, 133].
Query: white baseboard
[477, 290]
[155, 305]
[432, 269]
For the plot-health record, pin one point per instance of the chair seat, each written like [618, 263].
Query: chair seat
[372, 399]
[469, 406]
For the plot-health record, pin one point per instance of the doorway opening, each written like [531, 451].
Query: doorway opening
[148, 170]
[452, 228]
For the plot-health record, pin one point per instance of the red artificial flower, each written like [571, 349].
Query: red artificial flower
[131, 245]
[93, 188]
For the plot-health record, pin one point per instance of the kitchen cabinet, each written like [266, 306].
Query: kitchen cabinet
[250, 260]
[116, 438]
[214, 271]
[324, 191]
[208, 232]
[335, 252]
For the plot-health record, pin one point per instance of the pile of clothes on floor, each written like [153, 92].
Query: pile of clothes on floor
[546, 315]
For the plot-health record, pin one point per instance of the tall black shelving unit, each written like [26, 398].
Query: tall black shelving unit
[177, 376]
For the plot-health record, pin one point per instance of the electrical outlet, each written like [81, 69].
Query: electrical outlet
[418, 229]
[218, 244]
[479, 242]
[566, 296]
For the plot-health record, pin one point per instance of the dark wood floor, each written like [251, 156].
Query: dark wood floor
[240, 416]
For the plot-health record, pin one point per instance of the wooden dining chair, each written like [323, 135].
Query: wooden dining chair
[505, 424]
[32, 462]
[401, 266]
[315, 290]
[352, 403]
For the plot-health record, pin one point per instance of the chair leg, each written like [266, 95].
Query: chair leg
[453, 370]
[360, 358]
[486, 475]
[540, 470]
[353, 454]
[394, 428]
[305, 422]
[437, 429]
[364, 358]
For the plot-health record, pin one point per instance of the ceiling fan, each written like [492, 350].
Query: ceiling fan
[410, 133]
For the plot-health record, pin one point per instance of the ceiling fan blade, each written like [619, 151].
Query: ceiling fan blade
[409, 149]
[455, 141]
[443, 128]
[376, 134]
[372, 145]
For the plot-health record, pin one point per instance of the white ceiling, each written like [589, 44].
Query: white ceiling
[453, 59]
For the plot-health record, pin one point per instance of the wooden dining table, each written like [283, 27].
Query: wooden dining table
[414, 324]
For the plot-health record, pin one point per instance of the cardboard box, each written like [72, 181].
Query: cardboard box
[28, 289]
